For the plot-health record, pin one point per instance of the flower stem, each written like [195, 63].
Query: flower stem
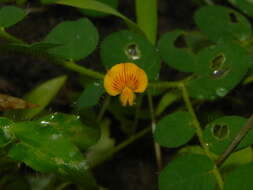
[103, 109]
[199, 132]
[157, 147]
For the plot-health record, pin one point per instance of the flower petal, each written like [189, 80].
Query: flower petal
[127, 97]
[114, 81]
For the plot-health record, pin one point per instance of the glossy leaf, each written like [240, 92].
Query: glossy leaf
[191, 171]
[45, 149]
[174, 130]
[244, 5]
[220, 68]
[41, 96]
[222, 24]
[174, 51]
[10, 15]
[5, 134]
[90, 96]
[111, 3]
[77, 39]
[73, 128]
[166, 100]
[238, 158]
[98, 6]
[126, 46]
[240, 178]
[219, 133]
[146, 16]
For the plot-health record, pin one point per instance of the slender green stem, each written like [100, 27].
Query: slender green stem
[82, 70]
[200, 134]
[120, 146]
[242, 133]
[103, 109]
[5, 35]
[157, 147]
[137, 113]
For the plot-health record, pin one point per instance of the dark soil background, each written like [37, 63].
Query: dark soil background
[134, 168]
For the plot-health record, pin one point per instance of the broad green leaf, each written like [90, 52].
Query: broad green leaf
[72, 127]
[174, 51]
[10, 15]
[220, 133]
[45, 149]
[238, 158]
[98, 6]
[175, 129]
[191, 172]
[222, 24]
[41, 95]
[112, 3]
[126, 46]
[77, 39]
[5, 134]
[220, 68]
[166, 100]
[240, 178]
[146, 14]
[90, 96]
[244, 5]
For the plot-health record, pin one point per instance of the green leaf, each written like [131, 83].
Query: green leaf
[112, 3]
[146, 14]
[45, 149]
[174, 130]
[101, 7]
[72, 127]
[90, 96]
[126, 46]
[222, 24]
[240, 178]
[10, 15]
[244, 5]
[5, 135]
[220, 68]
[238, 158]
[220, 133]
[41, 95]
[166, 100]
[191, 171]
[174, 51]
[77, 38]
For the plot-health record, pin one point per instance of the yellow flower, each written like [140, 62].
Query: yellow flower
[125, 79]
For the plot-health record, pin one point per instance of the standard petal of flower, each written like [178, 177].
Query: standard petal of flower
[114, 80]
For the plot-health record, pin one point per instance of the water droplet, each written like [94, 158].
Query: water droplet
[132, 51]
[44, 122]
[96, 84]
[220, 132]
[221, 92]
[217, 74]
[55, 136]
[207, 144]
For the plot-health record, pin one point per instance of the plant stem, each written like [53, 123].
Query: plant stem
[200, 133]
[5, 35]
[121, 146]
[103, 109]
[82, 70]
[157, 147]
[242, 133]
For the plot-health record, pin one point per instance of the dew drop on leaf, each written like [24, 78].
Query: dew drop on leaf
[132, 51]
[221, 92]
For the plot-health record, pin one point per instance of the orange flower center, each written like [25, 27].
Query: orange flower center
[125, 79]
